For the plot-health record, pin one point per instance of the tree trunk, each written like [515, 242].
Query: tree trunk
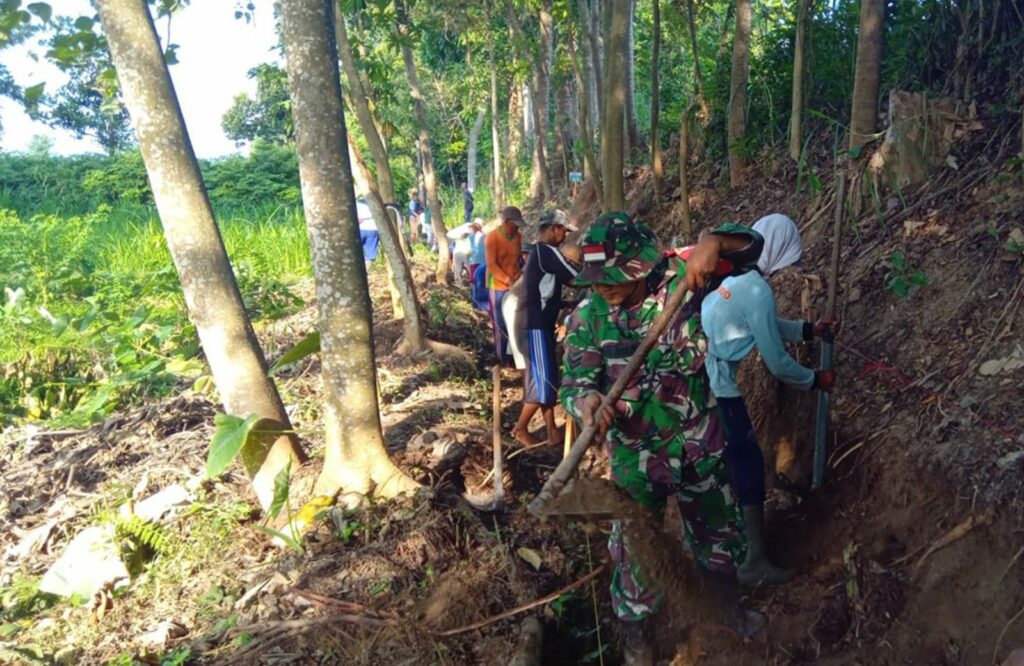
[499, 176]
[614, 107]
[429, 177]
[540, 95]
[590, 65]
[355, 458]
[738, 92]
[361, 103]
[702, 102]
[684, 159]
[656, 167]
[588, 23]
[590, 160]
[474, 140]
[797, 105]
[413, 339]
[211, 293]
[633, 141]
[864, 114]
[516, 131]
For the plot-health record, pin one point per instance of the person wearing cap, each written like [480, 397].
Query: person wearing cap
[663, 436]
[739, 315]
[502, 249]
[547, 271]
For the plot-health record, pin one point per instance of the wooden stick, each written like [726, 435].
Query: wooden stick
[570, 462]
[570, 427]
[499, 474]
[525, 607]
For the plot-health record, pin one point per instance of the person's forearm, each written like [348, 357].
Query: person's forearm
[725, 243]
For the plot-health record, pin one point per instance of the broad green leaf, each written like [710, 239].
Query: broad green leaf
[303, 348]
[42, 10]
[9, 629]
[83, 23]
[282, 486]
[34, 93]
[228, 439]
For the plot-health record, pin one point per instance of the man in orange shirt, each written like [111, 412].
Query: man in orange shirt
[503, 249]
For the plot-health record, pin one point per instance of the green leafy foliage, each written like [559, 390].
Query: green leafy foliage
[228, 439]
[305, 347]
[903, 279]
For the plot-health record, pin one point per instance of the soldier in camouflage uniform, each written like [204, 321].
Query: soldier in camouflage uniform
[663, 436]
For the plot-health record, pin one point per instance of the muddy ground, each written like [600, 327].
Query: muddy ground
[910, 553]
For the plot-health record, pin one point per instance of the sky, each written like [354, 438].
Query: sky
[215, 52]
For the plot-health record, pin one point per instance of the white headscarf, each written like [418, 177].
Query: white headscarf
[782, 243]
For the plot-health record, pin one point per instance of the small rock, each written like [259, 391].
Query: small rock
[447, 450]
[1011, 460]
[854, 295]
[164, 632]
[1016, 658]
[90, 563]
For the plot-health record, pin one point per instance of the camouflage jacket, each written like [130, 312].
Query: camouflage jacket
[669, 397]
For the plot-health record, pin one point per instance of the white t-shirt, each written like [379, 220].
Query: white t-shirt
[365, 217]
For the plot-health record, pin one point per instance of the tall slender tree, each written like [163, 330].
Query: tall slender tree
[211, 293]
[737, 124]
[797, 103]
[698, 77]
[868, 72]
[429, 174]
[355, 458]
[633, 141]
[497, 172]
[612, 139]
[656, 166]
[589, 159]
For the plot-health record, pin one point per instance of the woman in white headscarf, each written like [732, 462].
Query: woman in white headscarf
[736, 317]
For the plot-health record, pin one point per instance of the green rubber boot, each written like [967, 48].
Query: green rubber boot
[756, 569]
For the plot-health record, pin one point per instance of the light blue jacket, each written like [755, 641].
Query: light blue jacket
[477, 254]
[740, 315]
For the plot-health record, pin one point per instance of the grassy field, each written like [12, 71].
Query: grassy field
[92, 313]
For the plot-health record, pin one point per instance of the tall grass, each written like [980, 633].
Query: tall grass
[91, 310]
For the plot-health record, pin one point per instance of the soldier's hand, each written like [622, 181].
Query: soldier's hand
[702, 261]
[589, 410]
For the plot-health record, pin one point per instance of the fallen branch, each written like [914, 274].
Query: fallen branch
[339, 604]
[1002, 634]
[525, 607]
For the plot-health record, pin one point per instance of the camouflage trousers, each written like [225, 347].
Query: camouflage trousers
[712, 522]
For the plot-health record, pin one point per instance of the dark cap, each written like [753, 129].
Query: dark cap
[512, 214]
[553, 216]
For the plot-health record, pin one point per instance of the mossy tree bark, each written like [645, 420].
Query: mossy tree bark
[211, 293]
[355, 457]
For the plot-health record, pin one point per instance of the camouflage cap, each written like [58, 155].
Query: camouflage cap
[617, 250]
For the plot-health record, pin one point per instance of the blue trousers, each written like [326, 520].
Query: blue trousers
[744, 454]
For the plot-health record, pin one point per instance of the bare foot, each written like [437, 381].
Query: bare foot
[557, 437]
[524, 437]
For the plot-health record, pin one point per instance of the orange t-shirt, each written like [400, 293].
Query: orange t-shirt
[502, 253]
